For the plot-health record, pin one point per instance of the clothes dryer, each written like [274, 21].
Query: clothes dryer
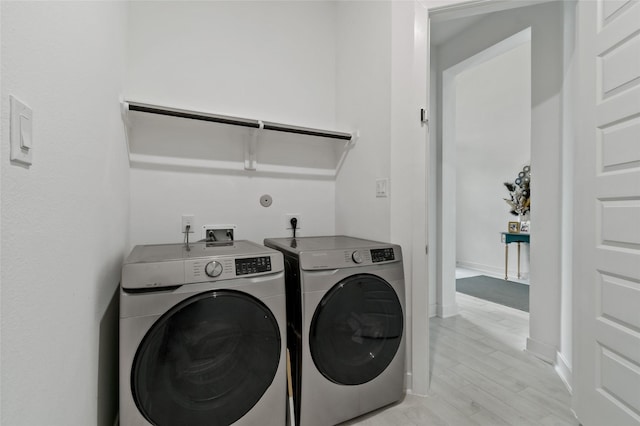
[202, 335]
[345, 317]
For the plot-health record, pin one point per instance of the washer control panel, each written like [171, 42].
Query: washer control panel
[253, 265]
[169, 265]
[382, 255]
[225, 268]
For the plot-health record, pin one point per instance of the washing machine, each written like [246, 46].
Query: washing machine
[345, 325]
[202, 335]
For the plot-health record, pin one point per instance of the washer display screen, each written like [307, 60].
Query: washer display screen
[356, 330]
[207, 361]
[253, 265]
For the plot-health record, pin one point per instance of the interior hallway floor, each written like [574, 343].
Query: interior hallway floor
[466, 273]
[481, 375]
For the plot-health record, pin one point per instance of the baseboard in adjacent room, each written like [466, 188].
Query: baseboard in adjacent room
[493, 271]
[484, 269]
[433, 310]
[446, 311]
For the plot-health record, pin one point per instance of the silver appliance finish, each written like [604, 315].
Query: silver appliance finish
[323, 263]
[171, 274]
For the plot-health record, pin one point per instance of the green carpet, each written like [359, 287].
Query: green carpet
[507, 293]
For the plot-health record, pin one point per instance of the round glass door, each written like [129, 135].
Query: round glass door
[356, 330]
[207, 361]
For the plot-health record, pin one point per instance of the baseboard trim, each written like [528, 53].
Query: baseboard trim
[494, 271]
[408, 382]
[542, 350]
[564, 371]
[432, 310]
[410, 390]
[447, 311]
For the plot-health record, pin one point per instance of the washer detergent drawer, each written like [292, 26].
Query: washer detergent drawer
[153, 274]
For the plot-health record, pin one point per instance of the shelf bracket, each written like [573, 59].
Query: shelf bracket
[124, 110]
[348, 146]
[250, 146]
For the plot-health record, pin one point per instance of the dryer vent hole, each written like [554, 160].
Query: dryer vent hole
[266, 200]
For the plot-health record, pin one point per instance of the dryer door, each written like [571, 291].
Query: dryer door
[207, 361]
[356, 330]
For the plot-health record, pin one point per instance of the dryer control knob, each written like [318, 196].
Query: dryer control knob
[357, 257]
[213, 269]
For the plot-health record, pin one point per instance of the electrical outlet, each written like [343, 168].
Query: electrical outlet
[287, 220]
[187, 220]
[211, 233]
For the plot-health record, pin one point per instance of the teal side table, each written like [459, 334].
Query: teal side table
[508, 238]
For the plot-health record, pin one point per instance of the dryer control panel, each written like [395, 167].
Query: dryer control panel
[359, 257]
[382, 255]
[221, 268]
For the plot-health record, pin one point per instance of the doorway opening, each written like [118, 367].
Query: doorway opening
[542, 25]
[486, 141]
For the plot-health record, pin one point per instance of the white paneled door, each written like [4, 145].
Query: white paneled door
[607, 234]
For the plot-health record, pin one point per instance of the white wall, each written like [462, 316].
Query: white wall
[363, 100]
[272, 61]
[267, 60]
[493, 142]
[65, 218]
[546, 21]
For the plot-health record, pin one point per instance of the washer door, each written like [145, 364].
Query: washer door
[207, 361]
[356, 330]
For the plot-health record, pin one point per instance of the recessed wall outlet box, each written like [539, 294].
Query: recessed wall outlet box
[187, 220]
[382, 187]
[21, 129]
[212, 233]
[287, 220]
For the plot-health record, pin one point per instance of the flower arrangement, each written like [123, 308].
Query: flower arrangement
[520, 193]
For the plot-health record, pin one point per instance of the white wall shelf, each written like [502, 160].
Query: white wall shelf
[251, 132]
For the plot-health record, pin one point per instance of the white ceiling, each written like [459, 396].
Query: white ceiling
[445, 30]
[450, 20]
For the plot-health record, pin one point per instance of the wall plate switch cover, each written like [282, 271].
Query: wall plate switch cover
[382, 187]
[21, 129]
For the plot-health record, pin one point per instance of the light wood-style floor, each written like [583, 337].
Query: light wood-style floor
[481, 375]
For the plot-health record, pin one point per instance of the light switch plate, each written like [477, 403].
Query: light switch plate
[21, 131]
[382, 187]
